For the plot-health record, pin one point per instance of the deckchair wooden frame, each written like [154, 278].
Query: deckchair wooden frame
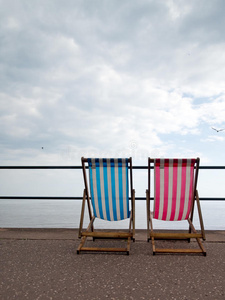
[91, 232]
[192, 233]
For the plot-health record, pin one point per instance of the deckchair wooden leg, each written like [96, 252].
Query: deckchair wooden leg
[153, 245]
[132, 217]
[151, 237]
[91, 223]
[148, 214]
[201, 246]
[82, 214]
[198, 239]
[151, 224]
[128, 246]
[200, 216]
[149, 218]
[192, 212]
[132, 222]
[81, 244]
[132, 228]
[84, 237]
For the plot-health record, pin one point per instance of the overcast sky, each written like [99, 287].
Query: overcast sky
[111, 78]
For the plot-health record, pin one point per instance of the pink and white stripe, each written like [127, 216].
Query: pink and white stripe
[174, 183]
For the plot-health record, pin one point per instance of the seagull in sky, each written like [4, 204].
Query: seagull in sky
[218, 130]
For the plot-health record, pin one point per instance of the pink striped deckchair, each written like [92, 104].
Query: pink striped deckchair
[107, 197]
[175, 193]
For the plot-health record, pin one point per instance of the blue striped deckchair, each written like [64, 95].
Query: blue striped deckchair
[107, 196]
[175, 194]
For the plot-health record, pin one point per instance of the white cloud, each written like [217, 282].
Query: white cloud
[213, 111]
[213, 138]
[178, 9]
[99, 74]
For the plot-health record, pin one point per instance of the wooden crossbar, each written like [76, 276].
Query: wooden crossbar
[99, 249]
[97, 234]
[178, 236]
[159, 250]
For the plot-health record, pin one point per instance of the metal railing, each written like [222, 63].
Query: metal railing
[79, 197]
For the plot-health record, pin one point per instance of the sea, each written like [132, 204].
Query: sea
[47, 213]
[66, 214]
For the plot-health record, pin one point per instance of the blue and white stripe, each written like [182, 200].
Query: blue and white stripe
[109, 188]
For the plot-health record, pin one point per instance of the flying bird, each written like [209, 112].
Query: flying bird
[218, 130]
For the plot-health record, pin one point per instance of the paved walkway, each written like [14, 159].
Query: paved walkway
[43, 264]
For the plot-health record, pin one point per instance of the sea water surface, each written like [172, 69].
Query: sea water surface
[66, 214]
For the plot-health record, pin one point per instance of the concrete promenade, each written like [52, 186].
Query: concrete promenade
[43, 264]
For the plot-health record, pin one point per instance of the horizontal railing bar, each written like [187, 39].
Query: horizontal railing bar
[200, 167]
[40, 198]
[80, 198]
[40, 167]
[212, 167]
[80, 167]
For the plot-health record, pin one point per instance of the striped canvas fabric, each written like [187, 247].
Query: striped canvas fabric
[174, 183]
[109, 188]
